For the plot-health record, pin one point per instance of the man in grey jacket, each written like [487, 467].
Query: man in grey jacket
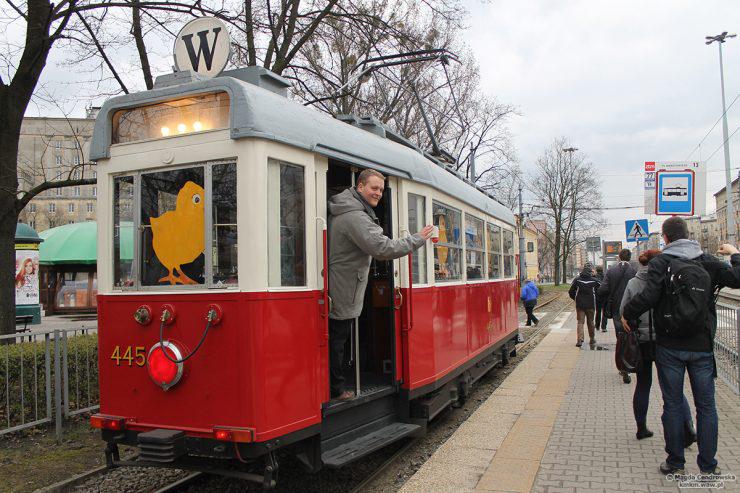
[355, 237]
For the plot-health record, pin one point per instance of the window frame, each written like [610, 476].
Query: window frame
[207, 166]
[499, 252]
[461, 247]
[504, 255]
[484, 274]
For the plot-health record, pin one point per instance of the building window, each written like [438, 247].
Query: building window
[32, 223]
[52, 207]
[76, 174]
[286, 233]
[90, 207]
[448, 250]
[508, 253]
[71, 207]
[76, 160]
[58, 144]
[95, 175]
[493, 235]
[77, 191]
[58, 160]
[474, 247]
[32, 207]
[58, 191]
[52, 223]
[417, 220]
[95, 192]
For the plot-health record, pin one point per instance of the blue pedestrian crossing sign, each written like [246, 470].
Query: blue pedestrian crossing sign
[674, 192]
[637, 230]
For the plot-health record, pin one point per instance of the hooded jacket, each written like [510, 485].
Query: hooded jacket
[722, 275]
[529, 294]
[615, 282]
[634, 287]
[354, 239]
[583, 290]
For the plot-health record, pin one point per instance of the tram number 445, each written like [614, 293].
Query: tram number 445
[132, 355]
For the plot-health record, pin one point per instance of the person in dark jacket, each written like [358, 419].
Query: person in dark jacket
[601, 313]
[693, 354]
[529, 300]
[612, 290]
[646, 338]
[583, 291]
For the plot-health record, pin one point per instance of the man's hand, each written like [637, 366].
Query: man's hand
[727, 249]
[426, 231]
[626, 326]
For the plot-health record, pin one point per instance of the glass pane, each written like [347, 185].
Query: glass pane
[72, 290]
[286, 238]
[182, 116]
[508, 253]
[473, 233]
[493, 234]
[417, 215]
[173, 236]
[448, 251]
[494, 266]
[224, 248]
[123, 231]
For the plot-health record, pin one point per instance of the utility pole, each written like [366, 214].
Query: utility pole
[522, 246]
[720, 38]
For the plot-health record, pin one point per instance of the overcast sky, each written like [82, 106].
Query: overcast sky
[626, 82]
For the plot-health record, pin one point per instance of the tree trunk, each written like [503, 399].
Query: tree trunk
[556, 255]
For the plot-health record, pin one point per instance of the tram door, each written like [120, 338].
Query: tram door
[370, 350]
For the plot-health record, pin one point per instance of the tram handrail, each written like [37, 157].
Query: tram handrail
[325, 278]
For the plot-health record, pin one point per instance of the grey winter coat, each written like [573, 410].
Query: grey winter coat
[354, 238]
[634, 287]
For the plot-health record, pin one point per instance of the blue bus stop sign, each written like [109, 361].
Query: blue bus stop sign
[674, 193]
[636, 230]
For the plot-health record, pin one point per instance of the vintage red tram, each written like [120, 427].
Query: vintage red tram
[213, 330]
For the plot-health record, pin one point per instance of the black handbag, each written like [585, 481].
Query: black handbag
[628, 356]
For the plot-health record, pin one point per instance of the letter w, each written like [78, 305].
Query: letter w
[203, 48]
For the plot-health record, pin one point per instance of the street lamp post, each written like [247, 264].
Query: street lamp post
[720, 38]
[570, 151]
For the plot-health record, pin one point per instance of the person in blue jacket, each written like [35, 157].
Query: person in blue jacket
[529, 299]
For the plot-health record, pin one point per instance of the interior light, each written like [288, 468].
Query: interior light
[181, 128]
[197, 126]
[165, 131]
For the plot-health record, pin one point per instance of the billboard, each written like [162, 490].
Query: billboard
[27, 277]
[612, 248]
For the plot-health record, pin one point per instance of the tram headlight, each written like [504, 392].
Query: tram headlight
[162, 370]
[197, 126]
[182, 128]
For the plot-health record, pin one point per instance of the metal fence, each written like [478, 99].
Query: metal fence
[726, 345]
[46, 377]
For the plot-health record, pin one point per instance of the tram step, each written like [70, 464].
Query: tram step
[366, 444]
[161, 445]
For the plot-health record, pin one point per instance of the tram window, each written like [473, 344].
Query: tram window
[494, 251]
[173, 230]
[286, 212]
[448, 250]
[417, 213]
[508, 253]
[474, 249]
[123, 232]
[224, 246]
[181, 116]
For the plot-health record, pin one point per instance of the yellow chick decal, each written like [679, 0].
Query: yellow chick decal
[178, 236]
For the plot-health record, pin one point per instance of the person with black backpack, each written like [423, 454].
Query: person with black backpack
[644, 369]
[583, 292]
[612, 290]
[681, 288]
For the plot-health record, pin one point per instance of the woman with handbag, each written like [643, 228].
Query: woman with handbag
[644, 372]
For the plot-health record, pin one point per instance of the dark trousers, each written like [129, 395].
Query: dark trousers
[641, 397]
[530, 315]
[672, 365]
[338, 334]
[601, 318]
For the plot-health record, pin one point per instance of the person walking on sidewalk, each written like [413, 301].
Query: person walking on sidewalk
[612, 290]
[646, 338]
[601, 314]
[529, 300]
[583, 291]
[681, 285]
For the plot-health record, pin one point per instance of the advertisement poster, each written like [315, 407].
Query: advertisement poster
[26, 277]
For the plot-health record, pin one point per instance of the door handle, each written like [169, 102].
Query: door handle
[399, 296]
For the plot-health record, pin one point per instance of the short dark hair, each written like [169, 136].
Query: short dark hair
[625, 255]
[674, 228]
[365, 175]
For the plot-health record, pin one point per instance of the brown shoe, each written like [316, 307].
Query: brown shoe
[347, 395]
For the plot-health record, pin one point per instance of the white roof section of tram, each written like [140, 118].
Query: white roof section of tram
[262, 113]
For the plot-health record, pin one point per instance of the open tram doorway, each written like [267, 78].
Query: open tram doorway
[372, 345]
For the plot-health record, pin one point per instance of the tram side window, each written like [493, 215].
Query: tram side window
[173, 227]
[448, 250]
[474, 250]
[417, 215]
[508, 253]
[286, 209]
[224, 246]
[494, 251]
[123, 231]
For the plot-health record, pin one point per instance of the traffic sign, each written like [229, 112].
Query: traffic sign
[674, 192]
[203, 45]
[697, 192]
[593, 244]
[637, 230]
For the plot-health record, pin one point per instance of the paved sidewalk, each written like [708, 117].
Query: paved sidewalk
[562, 422]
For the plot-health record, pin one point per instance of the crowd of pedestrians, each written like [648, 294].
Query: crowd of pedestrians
[668, 305]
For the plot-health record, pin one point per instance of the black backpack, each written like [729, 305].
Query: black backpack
[683, 310]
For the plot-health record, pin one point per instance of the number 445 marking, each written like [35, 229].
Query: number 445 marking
[135, 355]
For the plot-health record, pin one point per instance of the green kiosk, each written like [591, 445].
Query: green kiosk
[27, 299]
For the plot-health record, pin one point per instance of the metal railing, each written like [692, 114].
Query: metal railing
[46, 377]
[726, 345]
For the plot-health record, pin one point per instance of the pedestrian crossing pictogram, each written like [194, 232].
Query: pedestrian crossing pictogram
[636, 230]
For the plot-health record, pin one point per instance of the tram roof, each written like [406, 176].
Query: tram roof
[262, 113]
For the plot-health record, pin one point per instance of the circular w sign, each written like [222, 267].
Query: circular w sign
[203, 46]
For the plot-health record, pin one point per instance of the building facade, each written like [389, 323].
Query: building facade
[53, 149]
[706, 231]
[720, 199]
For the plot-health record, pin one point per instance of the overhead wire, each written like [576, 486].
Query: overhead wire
[710, 130]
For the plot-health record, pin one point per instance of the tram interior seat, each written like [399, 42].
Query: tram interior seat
[376, 334]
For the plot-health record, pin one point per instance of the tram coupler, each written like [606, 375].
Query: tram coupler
[271, 472]
[112, 455]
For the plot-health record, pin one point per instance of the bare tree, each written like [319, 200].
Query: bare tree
[569, 199]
